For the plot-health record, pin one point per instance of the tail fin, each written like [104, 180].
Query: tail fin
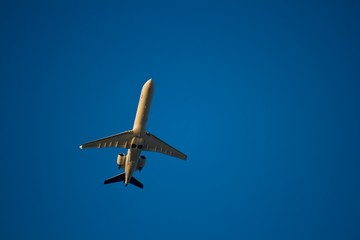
[121, 178]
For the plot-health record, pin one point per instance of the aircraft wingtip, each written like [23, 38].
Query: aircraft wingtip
[80, 146]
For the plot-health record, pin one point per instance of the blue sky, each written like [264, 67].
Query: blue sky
[263, 97]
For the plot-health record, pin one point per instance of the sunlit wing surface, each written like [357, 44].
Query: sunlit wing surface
[120, 140]
[155, 144]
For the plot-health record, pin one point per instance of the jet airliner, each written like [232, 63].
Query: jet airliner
[136, 140]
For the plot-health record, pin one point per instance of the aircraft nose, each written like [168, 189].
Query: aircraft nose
[150, 82]
[149, 85]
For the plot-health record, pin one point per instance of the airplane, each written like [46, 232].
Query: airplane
[136, 140]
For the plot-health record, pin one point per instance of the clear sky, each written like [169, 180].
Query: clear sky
[263, 97]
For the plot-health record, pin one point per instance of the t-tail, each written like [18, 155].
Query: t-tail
[121, 178]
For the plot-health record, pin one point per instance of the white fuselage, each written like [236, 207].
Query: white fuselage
[139, 129]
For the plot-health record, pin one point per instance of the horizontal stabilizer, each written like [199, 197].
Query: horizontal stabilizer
[121, 178]
[135, 182]
[118, 178]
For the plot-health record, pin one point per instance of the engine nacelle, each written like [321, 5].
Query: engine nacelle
[121, 160]
[141, 162]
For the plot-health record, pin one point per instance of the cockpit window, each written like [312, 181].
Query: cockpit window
[140, 146]
[133, 145]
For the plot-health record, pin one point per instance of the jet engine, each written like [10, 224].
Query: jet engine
[121, 160]
[141, 162]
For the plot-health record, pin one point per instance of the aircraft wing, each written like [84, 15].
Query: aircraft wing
[121, 140]
[155, 144]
